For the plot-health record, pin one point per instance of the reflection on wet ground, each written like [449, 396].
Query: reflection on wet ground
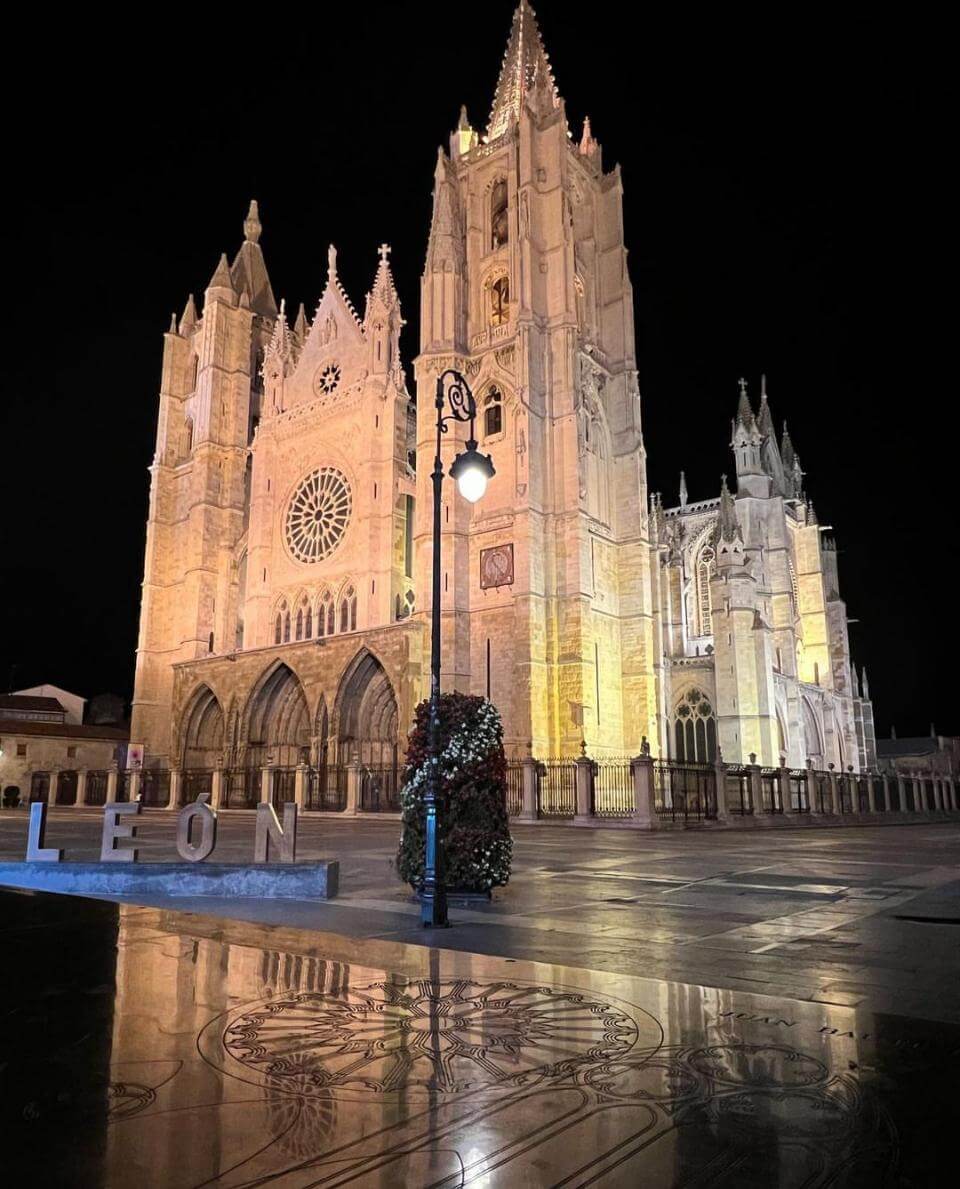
[150, 1048]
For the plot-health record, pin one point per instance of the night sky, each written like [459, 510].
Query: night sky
[783, 215]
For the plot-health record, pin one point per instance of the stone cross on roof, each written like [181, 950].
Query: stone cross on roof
[384, 251]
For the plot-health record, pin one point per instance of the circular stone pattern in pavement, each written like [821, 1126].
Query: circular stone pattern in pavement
[444, 1037]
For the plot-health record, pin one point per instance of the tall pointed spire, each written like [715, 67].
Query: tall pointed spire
[249, 269]
[683, 489]
[787, 452]
[744, 412]
[728, 525]
[221, 278]
[251, 224]
[588, 146]
[280, 343]
[300, 327]
[188, 319]
[764, 418]
[383, 285]
[525, 69]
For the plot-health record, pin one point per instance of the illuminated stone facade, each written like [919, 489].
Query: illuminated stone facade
[286, 592]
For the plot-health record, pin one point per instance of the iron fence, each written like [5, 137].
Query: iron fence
[155, 788]
[380, 788]
[39, 787]
[684, 792]
[123, 784]
[240, 788]
[284, 788]
[67, 787]
[195, 781]
[739, 792]
[613, 794]
[557, 788]
[798, 790]
[514, 787]
[327, 788]
[771, 790]
[96, 787]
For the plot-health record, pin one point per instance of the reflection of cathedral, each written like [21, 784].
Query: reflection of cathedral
[286, 592]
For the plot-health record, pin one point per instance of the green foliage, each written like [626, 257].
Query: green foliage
[472, 802]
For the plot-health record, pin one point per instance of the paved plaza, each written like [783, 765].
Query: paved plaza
[865, 917]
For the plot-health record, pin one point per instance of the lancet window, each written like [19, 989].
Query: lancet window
[348, 610]
[499, 214]
[705, 570]
[500, 301]
[695, 729]
[493, 413]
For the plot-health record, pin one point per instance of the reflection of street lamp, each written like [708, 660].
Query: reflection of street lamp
[471, 470]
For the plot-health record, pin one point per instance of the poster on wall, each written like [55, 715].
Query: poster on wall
[134, 755]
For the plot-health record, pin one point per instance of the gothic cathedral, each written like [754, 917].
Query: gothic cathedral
[286, 595]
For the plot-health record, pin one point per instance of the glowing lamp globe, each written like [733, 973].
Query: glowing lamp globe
[472, 471]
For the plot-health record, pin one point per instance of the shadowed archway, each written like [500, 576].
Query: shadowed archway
[202, 734]
[366, 714]
[277, 722]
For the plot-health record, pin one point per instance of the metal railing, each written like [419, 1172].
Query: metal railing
[240, 788]
[798, 790]
[155, 788]
[770, 790]
[557, 789]
[327, 788]
[96, 787]
[194, 782]
[684, 792]
[739, 792]
[284, 788]
[514, 787]
[379, 788]
[67, 787]
[613, 794]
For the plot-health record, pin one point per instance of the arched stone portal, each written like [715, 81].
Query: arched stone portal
[277, 721]
[367, 715]
[202, 731]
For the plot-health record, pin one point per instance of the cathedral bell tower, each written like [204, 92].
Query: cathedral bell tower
[546, 593]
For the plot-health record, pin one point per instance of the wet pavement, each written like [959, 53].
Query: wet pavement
[860, 916]
[144, 1047]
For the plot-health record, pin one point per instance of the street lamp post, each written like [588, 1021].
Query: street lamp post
[471, 470]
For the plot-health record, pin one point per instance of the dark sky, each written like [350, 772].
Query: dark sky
[784, 213]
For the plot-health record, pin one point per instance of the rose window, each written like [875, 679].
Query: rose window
[328, 379]
[318, 515]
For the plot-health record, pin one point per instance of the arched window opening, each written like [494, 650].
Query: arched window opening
[300, 623]
[706, 567]
[695, 729]
[499, 214]
[323, 610]
[493, 413]
[348, 610]
[500, 301]
[278, 633]
[286, 628]
[331, 619]
[308, 624]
